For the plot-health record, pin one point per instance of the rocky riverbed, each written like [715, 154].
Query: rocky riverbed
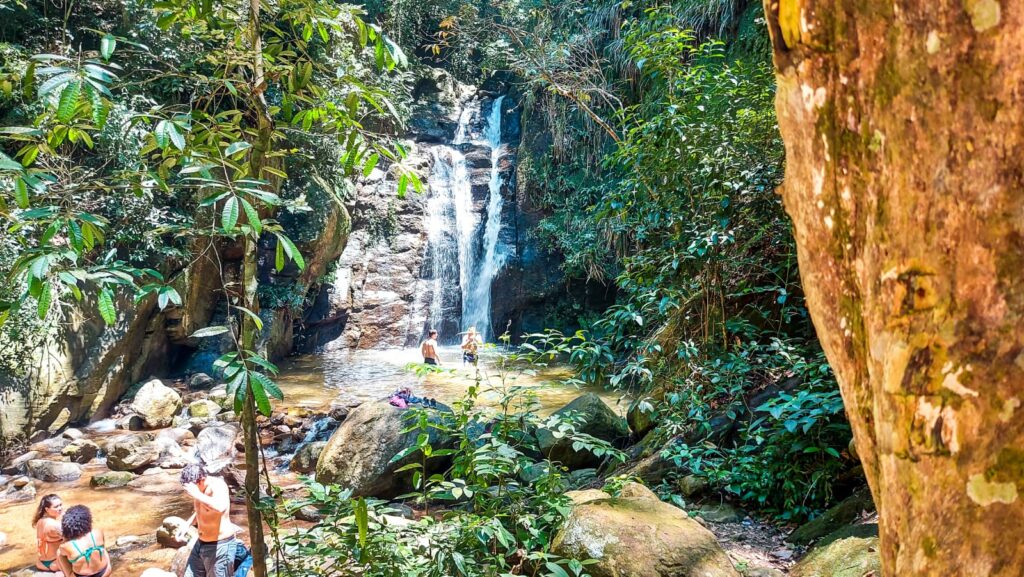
[125, 467]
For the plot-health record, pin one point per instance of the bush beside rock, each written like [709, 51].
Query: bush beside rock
[596, 420]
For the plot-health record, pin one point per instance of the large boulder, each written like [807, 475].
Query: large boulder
[81, 451]
[131, 452]
[639, 536]
[17, 465]
[358, 455]
[54, 471]
[157, 404]
[851, 557]
[215, 447]
[596, 419]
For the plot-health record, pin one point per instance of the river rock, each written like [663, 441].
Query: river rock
[51, 445]
[157, 404]
[20, 489]
[72, 434]
[308, 513]
[131, 452]
[719, 513]
[640, 415]
[691, 485]
[54, 471]
[640, 536]
[358, 455]
[203, 408]
[596, 420]
[81, 451]
[131, 423]
[182, 437]
[200, 382]
[851, 557]
[168, 533]
[3, 539]
[215, 447]
[156, 572]
[111, 479]
[306, 457]
[17, 464]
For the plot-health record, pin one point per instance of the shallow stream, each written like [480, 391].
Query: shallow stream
[314, 382]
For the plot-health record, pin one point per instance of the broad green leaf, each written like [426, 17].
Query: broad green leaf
[291, 251]
[268, 384]
[236, 147]
[279, 257]
[259, 394]
[20, 193]
[229, 216]
[56, 82]
[107, 45]
[252, 216]
[106, 306]
[209, 332]
[255, 317]
[175, 135]
[7, 163]
[362, 521]
[43, 306]
[371, 163]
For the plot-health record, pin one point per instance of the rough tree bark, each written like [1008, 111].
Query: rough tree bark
[904, 129]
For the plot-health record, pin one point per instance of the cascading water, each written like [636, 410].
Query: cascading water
[462, 264]
[476, 303]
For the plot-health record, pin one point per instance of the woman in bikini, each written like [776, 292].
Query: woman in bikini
[83, 553]
[48, 533]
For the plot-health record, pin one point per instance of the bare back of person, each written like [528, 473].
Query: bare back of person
[429, 349]
[48, 540]
[87, 555]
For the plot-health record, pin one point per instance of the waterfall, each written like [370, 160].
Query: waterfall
[462, 263]
[450, 229]
[476, 304]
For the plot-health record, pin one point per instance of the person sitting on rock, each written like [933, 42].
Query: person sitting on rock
[84, 552]
[429, 349]
[214, 553]
[48, 533]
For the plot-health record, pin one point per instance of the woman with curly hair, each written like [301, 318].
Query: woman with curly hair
[83, 553]
[48, 533]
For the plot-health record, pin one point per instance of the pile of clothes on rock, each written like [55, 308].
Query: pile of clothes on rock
[403, 397]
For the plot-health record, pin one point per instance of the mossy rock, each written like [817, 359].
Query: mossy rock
[111, 479]
[639, 536]
[850, 557]
[832, 520]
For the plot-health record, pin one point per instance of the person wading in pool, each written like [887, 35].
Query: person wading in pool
[48, 533]
[214, 553]
[84, 552]
[470, 346]
[429, 349]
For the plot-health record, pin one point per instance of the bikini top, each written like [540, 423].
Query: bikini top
[87, 554]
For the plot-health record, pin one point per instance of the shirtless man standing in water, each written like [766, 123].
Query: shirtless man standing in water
[214, 553]
[429, 349]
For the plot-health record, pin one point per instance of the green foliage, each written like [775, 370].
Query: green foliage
[680, 211]
[492, 511]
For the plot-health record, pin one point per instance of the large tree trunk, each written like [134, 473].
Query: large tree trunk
[904, 130]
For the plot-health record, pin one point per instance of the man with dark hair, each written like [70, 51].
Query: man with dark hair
[429, 349]
[214, 553]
